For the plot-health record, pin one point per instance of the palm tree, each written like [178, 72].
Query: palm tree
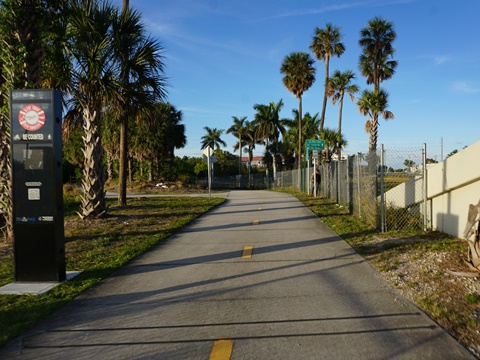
[92, 83]
[172, 131]
[333, 141]
[140, 76]
[238, 129]
[268, 127]
[337, 85]
[372, 104]
[250, 142]
[157, 135]
[263, 129]
[25, 27]
[278, 129]
[310, 126]
[376, 42]
[212, 139]
[325, 44]
[110, 140]
[299, 76]
[376, 65]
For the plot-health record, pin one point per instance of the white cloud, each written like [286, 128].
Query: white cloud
[341, 6]
[440, 59]
[195, 110]
[465, 87]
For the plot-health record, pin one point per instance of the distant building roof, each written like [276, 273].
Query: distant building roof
[256, 160]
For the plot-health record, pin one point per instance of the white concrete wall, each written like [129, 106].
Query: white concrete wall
[451, 186]
[406, 194]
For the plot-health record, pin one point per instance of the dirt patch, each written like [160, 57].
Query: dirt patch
[440, 282]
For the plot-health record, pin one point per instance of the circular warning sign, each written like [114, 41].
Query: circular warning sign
[31, 117]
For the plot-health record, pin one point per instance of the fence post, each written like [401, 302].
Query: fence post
[382, 189]
[358, 187]
[338, 182]
[424, 157]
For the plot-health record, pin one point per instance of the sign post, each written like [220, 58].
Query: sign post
[315, 157]
[36, 155]
[208, 152]
[315, 146]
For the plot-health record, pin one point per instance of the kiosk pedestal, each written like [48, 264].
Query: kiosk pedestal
[36, 145]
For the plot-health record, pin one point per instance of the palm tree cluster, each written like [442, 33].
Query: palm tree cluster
[278, 135]
[285, 138]
[112, 75]
[376, 64]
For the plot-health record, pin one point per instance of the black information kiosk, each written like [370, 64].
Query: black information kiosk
[36, 148]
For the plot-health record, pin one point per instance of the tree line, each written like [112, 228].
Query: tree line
[112, 76]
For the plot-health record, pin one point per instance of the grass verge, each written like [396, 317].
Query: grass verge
[98, 248]
[416, 263]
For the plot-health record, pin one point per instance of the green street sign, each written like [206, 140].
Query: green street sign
[315, 144]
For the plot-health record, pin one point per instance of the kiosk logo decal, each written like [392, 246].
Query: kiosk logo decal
[31, 117]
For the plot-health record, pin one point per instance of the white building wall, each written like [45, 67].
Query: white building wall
[451, 186]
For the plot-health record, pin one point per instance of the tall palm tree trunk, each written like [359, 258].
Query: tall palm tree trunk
[122, 171]
[150, 170]
[6, 204]
[340, 112]
[372, 145]
[324, 106]
[299, 153]
[93, 198]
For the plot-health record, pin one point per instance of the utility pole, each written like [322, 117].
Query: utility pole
[441, 149]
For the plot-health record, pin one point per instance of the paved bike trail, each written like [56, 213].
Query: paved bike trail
[259, 277]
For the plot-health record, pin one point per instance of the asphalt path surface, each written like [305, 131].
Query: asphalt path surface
[259, 277]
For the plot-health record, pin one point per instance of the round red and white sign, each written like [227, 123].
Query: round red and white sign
[31, 117]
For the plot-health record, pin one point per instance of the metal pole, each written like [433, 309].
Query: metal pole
[347, 183]
[382, 190]
[358, 185]
[308, 170]
[424, 153]
[209, 176]
[338, 181]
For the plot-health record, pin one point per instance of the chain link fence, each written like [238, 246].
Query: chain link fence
[386, 189]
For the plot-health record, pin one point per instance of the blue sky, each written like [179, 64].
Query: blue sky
[224, 56]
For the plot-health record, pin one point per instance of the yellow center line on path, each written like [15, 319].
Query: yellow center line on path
[247, 252]
[221, 350]
[256, 222]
